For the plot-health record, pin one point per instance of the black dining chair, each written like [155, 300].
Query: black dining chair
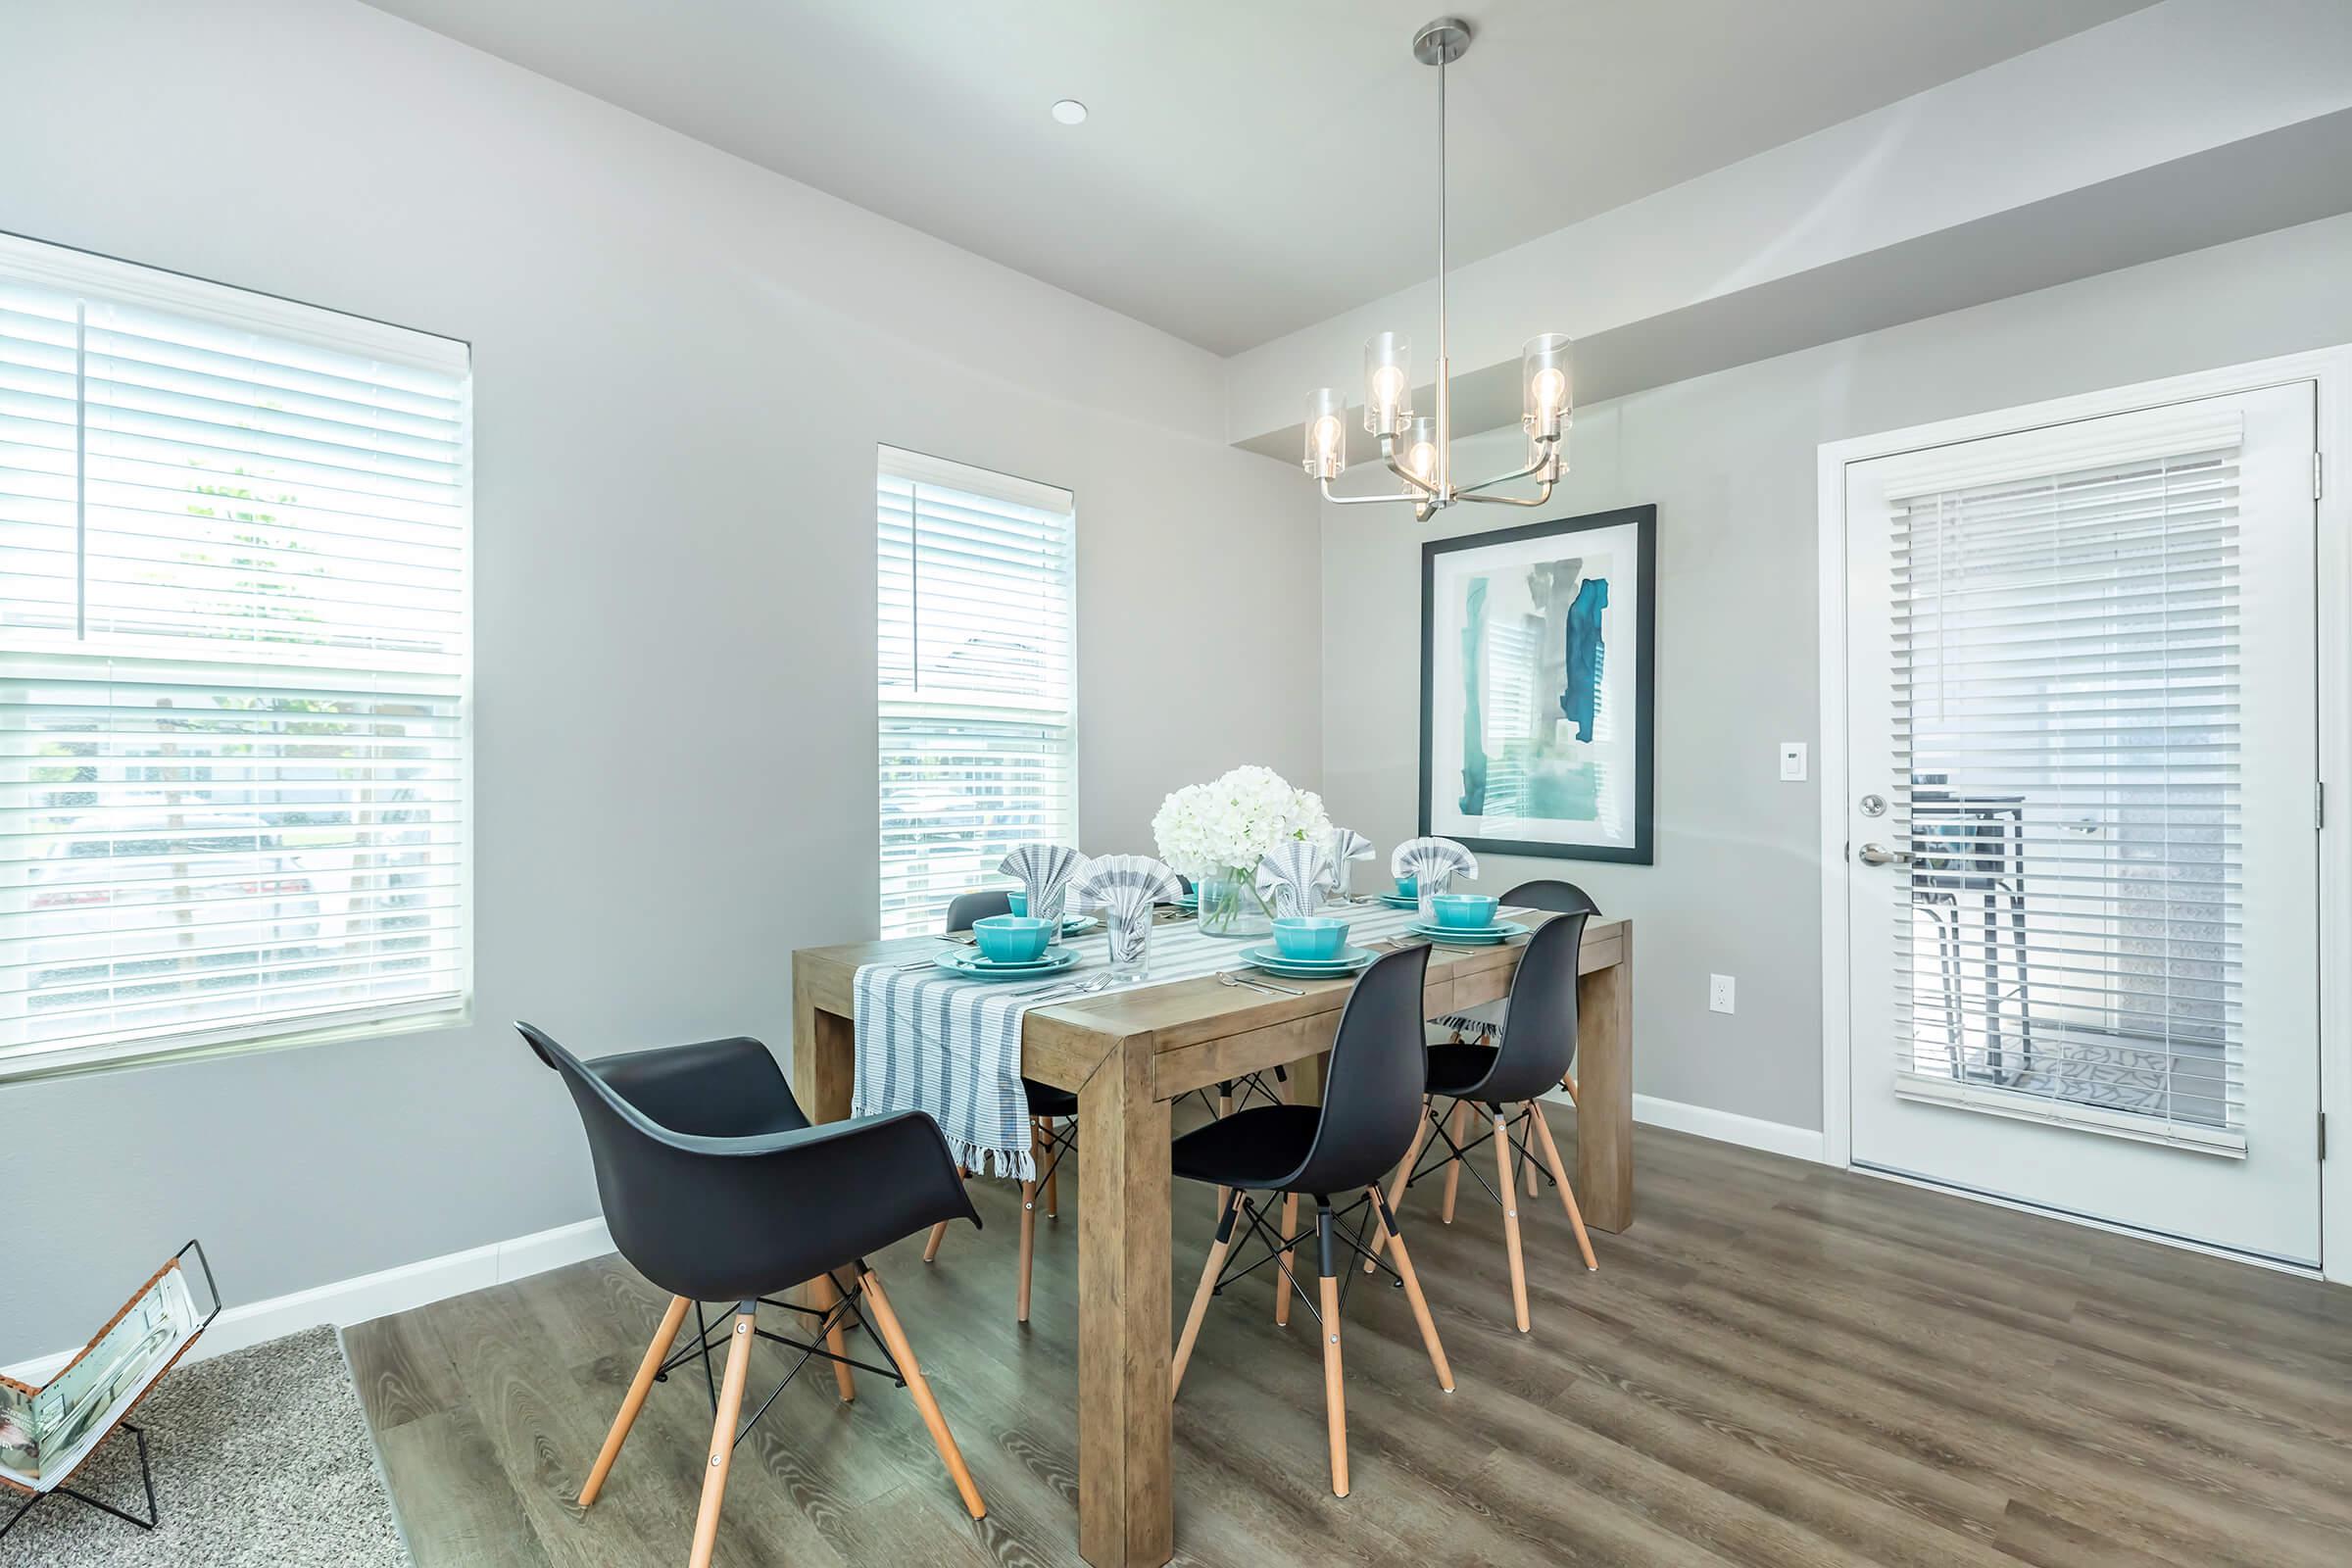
[1485, 1020]
[1372, 1097]
[1532, 1050]
[716, 1189]
[1052, 1121]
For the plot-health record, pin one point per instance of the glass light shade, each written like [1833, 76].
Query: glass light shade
[1325, 454]
[1388, 382]
[1417, 453]
[1544, 389]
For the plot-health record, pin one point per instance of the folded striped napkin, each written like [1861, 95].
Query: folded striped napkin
[1045, 872]
[1432, 862]
[1291, 877]
[1346, 846]
[1125, 886]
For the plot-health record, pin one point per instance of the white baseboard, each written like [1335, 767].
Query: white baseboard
[344, 1302]
[1728, 1127]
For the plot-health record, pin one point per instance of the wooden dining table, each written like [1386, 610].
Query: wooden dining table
[1129, 1056]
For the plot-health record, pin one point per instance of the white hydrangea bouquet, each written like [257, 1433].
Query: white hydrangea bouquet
[1216, 833]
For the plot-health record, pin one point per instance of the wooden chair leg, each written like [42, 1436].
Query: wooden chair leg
[1453, 1166]
[1508, 1187]
[1208, 1287]
[1334, 1390]
[1028, 1244]
[1559, 1174]
[939, 1232]
[1568, 1082]
[664, 1338]
[825, 1294]
[1428, 1325]
[894, 1339]
[1404, 1174]
[723, 1441]
[1282, 1281]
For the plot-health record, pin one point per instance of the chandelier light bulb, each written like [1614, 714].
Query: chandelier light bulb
[1420, 458]
[1388, 383]
[1326, 451]
[1544, 382]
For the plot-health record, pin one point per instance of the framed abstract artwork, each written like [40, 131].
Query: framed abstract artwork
[1536, 660]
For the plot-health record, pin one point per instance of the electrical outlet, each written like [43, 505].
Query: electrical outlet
[1719, 993]
[1793, 761]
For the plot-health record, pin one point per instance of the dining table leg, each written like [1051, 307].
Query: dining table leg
[1604, 1091]
[824, 1063]
[1126, 1508]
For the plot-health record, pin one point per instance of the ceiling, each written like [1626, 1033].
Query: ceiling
[1248, 168]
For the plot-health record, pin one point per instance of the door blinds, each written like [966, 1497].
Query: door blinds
[2066, 726]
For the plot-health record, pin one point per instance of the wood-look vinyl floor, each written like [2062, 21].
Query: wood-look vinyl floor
[1778, 1364]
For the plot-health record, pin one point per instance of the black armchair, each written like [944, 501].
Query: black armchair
[717, 1188]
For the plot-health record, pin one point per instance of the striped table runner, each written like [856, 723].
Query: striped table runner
[932, 1042]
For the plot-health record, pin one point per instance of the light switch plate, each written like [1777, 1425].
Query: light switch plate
[1719, 993]
[1793, 761]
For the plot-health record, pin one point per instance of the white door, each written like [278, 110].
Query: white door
[2081, 806]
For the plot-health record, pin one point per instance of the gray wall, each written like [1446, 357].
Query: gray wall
[1730, 461]
[683, 365]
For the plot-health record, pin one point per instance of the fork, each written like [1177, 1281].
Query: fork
[1226, 977]
[1069, 989]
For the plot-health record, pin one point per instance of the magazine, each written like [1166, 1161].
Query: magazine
[45, 1432]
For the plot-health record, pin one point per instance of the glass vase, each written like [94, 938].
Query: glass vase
[1231, 908]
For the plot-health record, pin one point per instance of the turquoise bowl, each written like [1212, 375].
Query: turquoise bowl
[1464, 912]
[1017, 902]
[1011, 938]
[1408, 886]
[1309, 935]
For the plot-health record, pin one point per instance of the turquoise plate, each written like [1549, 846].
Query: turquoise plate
[972, 966]
[1352, 961]
[1397, 901]
[1073, 924]
[1500, 931]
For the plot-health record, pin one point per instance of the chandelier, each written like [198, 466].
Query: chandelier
[1418, 448]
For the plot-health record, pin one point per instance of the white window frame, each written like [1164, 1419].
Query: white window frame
[974, 480]
[2331, 369]
[64, 267]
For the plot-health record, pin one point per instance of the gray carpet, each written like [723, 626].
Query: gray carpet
[262, 1457]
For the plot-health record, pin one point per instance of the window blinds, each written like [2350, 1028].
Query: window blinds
[975, 633]
[2067, 715]
[233, 648]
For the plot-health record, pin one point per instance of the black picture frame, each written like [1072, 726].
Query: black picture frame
[1645, 520]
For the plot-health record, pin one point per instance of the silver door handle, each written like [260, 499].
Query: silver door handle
[1881, 855]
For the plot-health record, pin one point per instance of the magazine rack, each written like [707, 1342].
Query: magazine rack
[67, 1419]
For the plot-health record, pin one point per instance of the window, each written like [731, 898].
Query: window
[978, 699]
[233, 656]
